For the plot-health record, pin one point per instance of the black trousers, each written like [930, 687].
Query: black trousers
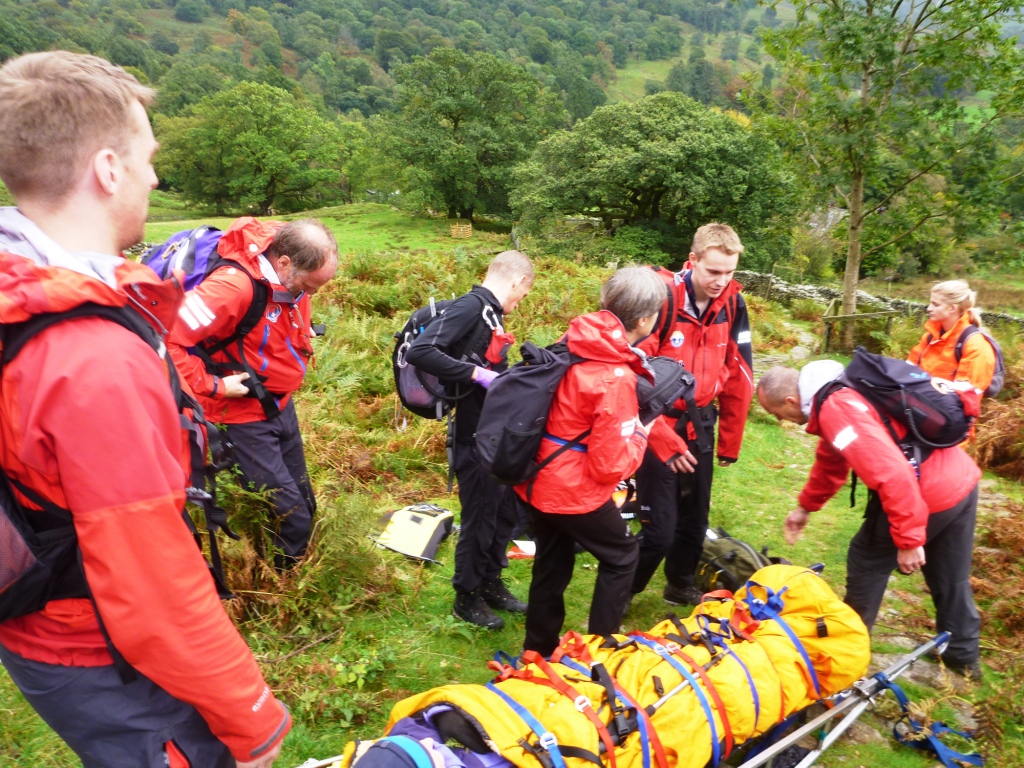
[605, 535]
[486, 523]
[270, 455]
[674, 517]
[112, 724]
[950, 542]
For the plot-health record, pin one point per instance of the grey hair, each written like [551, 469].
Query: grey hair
[307, 242]
[633, 293]
[778, 383]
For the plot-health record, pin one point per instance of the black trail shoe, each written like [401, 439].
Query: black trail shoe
[495, 593]
[471, 608]
[682, 595]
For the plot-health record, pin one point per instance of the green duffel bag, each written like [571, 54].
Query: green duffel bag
[727, 563]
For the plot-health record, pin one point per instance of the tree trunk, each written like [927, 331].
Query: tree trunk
[853, 254]
[453, 212]
[467, 214]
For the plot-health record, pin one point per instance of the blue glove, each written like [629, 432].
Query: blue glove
[484, 376]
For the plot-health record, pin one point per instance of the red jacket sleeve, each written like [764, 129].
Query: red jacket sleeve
[211, 310]
[851, 430]
[102, 410]
[616, 445]
[665, 441]
[735, 397]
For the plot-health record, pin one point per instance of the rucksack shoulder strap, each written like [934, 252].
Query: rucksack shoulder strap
[965, 334]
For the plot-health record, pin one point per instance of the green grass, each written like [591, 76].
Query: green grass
[357, 628]
[362, 228]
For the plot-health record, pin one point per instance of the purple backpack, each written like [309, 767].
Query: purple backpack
[194, 251]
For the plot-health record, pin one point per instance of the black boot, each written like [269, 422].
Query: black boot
[470, 607]
[495, 593]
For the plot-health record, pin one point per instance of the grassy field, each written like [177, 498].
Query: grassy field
[357, 628]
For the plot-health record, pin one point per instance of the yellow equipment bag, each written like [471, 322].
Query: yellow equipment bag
[681, 695]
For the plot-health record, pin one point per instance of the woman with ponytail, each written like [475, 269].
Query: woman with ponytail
[950, 312]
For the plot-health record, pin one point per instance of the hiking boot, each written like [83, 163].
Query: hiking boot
[496, 595]
[970, 671]
[471, 608]
[682, 595]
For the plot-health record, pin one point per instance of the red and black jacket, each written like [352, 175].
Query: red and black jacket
[88, 422]
[853, 436]
[278, 349]
[716, 348]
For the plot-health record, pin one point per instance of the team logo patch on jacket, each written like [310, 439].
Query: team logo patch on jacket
[676, 339]
[273, 312]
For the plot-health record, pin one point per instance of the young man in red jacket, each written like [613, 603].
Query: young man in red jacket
[708, 332]
[88, 424]
[294, 260]
[913, 522]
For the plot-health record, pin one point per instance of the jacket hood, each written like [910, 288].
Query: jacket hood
[37, 275]
[601, 336]
[246, 239]
[813, 377]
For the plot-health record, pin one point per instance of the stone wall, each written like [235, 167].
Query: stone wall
[778, 289]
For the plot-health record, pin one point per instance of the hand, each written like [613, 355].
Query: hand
[910, 560]
[794, 525]
[264, 761]
[233, 386]
[640, 426]
[685, 462]
[484, 376]
[725, 463]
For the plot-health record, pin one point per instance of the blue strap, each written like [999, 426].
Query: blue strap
[545, 738]
[927, 737]
[679, 667]
[412, 748]
[579, 447]
[769, 609]
[645, 742]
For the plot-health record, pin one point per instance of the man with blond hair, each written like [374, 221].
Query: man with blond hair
[704, 325]
[128, 653]
[466, 348]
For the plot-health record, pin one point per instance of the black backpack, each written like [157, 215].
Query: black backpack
[422, 392]
[515, 412]
[195, 252]
[998, 375]
[39, 557]
[931, 412]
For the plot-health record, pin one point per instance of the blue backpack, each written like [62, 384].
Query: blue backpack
[194, 251]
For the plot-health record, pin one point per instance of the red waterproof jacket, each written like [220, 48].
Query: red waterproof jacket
[854, 437]
[598, 394]
[88, 421]
[716, 349]
[278, 347]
